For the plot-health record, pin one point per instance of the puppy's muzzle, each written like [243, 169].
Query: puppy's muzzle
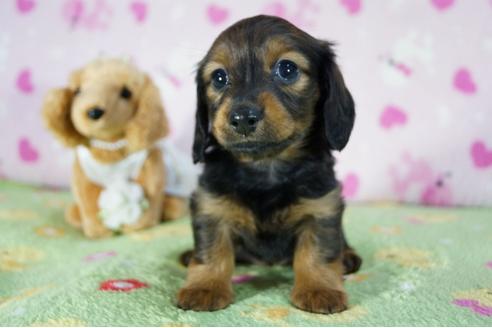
[95, 113]
[244, 120]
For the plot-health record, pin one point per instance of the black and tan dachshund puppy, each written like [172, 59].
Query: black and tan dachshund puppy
[272, 105]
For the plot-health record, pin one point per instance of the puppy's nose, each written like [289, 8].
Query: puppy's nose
[244, 120]
[95, 113]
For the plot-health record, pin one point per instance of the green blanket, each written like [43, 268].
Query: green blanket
[422, 266]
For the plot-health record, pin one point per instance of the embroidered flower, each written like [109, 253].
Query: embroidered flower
[18, 214]
[121, 203]
[99, 256]
[18, 258]
[357, 277]
[49, 232]
[122, 285]
[243, 278]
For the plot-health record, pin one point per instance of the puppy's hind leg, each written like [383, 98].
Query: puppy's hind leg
[186, 257]
[351, 260]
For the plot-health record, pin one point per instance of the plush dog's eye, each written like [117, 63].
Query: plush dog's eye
[219, 78]
[125, 93]
[76, 91]
[287, 71]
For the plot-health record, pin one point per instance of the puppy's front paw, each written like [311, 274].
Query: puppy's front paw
[204, 299]
[320, 300]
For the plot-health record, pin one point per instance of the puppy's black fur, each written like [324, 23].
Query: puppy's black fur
[281, 187]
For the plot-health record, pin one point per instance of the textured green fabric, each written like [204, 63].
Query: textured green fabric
[422, 266]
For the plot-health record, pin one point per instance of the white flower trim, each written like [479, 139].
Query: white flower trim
[123, 202]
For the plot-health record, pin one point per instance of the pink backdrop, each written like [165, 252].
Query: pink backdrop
[420, 72]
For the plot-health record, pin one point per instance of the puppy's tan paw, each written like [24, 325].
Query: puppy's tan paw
[320, 300]
[204, 299]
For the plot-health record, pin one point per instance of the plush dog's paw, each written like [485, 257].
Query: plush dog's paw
[96, 231]
[173, 208]
[72, 216]
[320, 300]
[129, 228]
[204, 299]
[351, 261]
[148, 219]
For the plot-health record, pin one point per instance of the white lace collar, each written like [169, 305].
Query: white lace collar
[108, 145]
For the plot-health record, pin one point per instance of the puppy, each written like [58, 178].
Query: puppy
[272, 105]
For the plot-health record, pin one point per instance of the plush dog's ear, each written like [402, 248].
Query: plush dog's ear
[202, 133]
[56, 113]
[338, 108]
[149, 123]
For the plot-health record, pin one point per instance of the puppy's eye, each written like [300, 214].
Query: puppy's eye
[76, 91]
[287, 71]
[219, 78]
[125, 93]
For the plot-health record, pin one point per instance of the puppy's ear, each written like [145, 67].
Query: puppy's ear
[149, 123]
[202, 134]
[338, 108]
[56, 113]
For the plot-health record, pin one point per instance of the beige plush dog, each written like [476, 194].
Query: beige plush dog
[112, 114]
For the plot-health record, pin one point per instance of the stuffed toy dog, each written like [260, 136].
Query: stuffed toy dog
[111, 113]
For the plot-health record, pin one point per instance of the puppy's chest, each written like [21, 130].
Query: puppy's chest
[268, 240]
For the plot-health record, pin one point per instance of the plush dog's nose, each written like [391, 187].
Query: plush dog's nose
[95, 113]
[245, 119]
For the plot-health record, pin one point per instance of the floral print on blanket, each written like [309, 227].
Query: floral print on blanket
[51, 275]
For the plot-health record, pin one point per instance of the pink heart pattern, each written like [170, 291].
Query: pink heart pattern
[421, 87]
[352, 6]
[27, 152]
[24, 83]
[139, 10]
[442, 4]
[217, 15]
[276, 9]
[481, 156]
[350, 186]
[475, 306]
[392, 116]
[25, 6]
[463, 81]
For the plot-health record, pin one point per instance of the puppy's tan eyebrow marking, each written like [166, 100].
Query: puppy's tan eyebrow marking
[301, 61]
[219, 56]
[273, 49]
[209, 68]
[276, 49]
